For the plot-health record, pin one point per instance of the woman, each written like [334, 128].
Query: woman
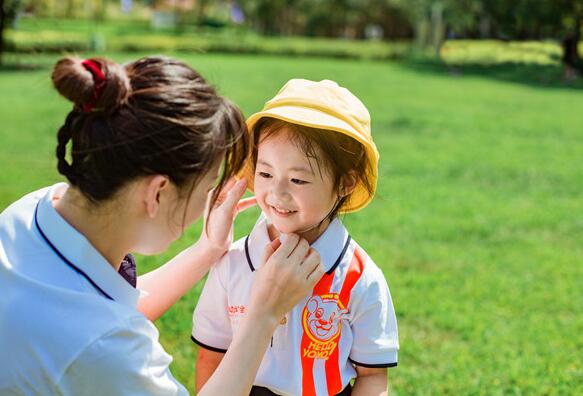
[148, 142]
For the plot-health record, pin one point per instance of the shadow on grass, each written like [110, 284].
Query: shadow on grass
[536, 75]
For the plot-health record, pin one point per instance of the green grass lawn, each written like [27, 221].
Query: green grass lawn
[478, 224]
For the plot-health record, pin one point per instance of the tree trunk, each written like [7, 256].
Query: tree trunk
[2, 25]
[570, 45]
[422, 32]
[70, 9]
[100, 11]
[437, 27]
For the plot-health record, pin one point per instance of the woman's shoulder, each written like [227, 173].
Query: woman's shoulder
[24, 207]
[16, 222]
[28, 200]
[60, 325]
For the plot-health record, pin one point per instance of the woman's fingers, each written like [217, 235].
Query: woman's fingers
[288, 244]
[224, 191]
[228, 185]
[300, 251]
[311, 258]
[271, 248]
[312, 264]
[234, 194]
[289, 273]
[245, 204]
[218, 227]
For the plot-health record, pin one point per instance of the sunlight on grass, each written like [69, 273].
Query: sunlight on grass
[477, 224]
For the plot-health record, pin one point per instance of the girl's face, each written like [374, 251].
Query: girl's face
[290, 188]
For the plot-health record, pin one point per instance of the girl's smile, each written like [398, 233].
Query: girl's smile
[282, 212]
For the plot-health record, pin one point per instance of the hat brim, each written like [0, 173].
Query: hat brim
[314, 118]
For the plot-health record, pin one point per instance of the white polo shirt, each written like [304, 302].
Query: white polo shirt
[68, 320]
[348, 319]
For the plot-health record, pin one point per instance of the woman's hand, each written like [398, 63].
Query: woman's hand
[168, 283]
[290, 271]
[217, 233]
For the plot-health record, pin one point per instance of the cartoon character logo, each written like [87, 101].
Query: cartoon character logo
[322, 317]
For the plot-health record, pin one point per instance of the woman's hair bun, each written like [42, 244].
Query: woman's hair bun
[77, 83]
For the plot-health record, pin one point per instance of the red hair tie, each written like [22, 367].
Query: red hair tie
[99, 82]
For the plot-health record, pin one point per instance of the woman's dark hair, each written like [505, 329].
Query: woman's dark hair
[153, 116]
[334, 152]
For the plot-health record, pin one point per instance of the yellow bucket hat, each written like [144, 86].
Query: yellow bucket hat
[323, 105]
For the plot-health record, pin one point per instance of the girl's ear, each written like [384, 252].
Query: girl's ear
[156, 187]
[348, 183]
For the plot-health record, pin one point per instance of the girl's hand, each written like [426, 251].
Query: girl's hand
[290, 271]
[217, 233]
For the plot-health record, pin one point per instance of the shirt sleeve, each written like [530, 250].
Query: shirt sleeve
[126, 361]
[374, 324]
[211, 327]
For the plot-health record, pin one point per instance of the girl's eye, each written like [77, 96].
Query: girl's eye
[264, 174]
[298, 181]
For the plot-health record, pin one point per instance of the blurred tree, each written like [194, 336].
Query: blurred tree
[393, 22]
[330, 18]
[267, 15]
[9, 10]
[426, 16]
[70, 8]
[509, 20]
[99, 10]
[520, 20]
[41, 8]
[2, 24]
[201, 8]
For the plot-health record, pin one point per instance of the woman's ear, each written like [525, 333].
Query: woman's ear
[156, 187]
[348, 183]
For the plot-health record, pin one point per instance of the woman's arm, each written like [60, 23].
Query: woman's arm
[167, 284]
[207, 362]
[370, 382]
[290, 272]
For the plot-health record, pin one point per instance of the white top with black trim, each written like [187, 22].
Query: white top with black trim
[348, 319]
[68, 321]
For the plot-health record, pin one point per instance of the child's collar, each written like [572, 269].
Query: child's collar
[331, 245]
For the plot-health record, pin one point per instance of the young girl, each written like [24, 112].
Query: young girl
[313, 158]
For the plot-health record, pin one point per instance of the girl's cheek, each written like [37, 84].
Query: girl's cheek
[261, 201]
[259, 190]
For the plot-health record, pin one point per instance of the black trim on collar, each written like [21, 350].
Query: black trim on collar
[247, 254]
[339, 259]
[210, 348]
[336, 263]
[381, 365]
[70, 264]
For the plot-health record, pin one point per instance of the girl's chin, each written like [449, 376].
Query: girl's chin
[280, 227]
